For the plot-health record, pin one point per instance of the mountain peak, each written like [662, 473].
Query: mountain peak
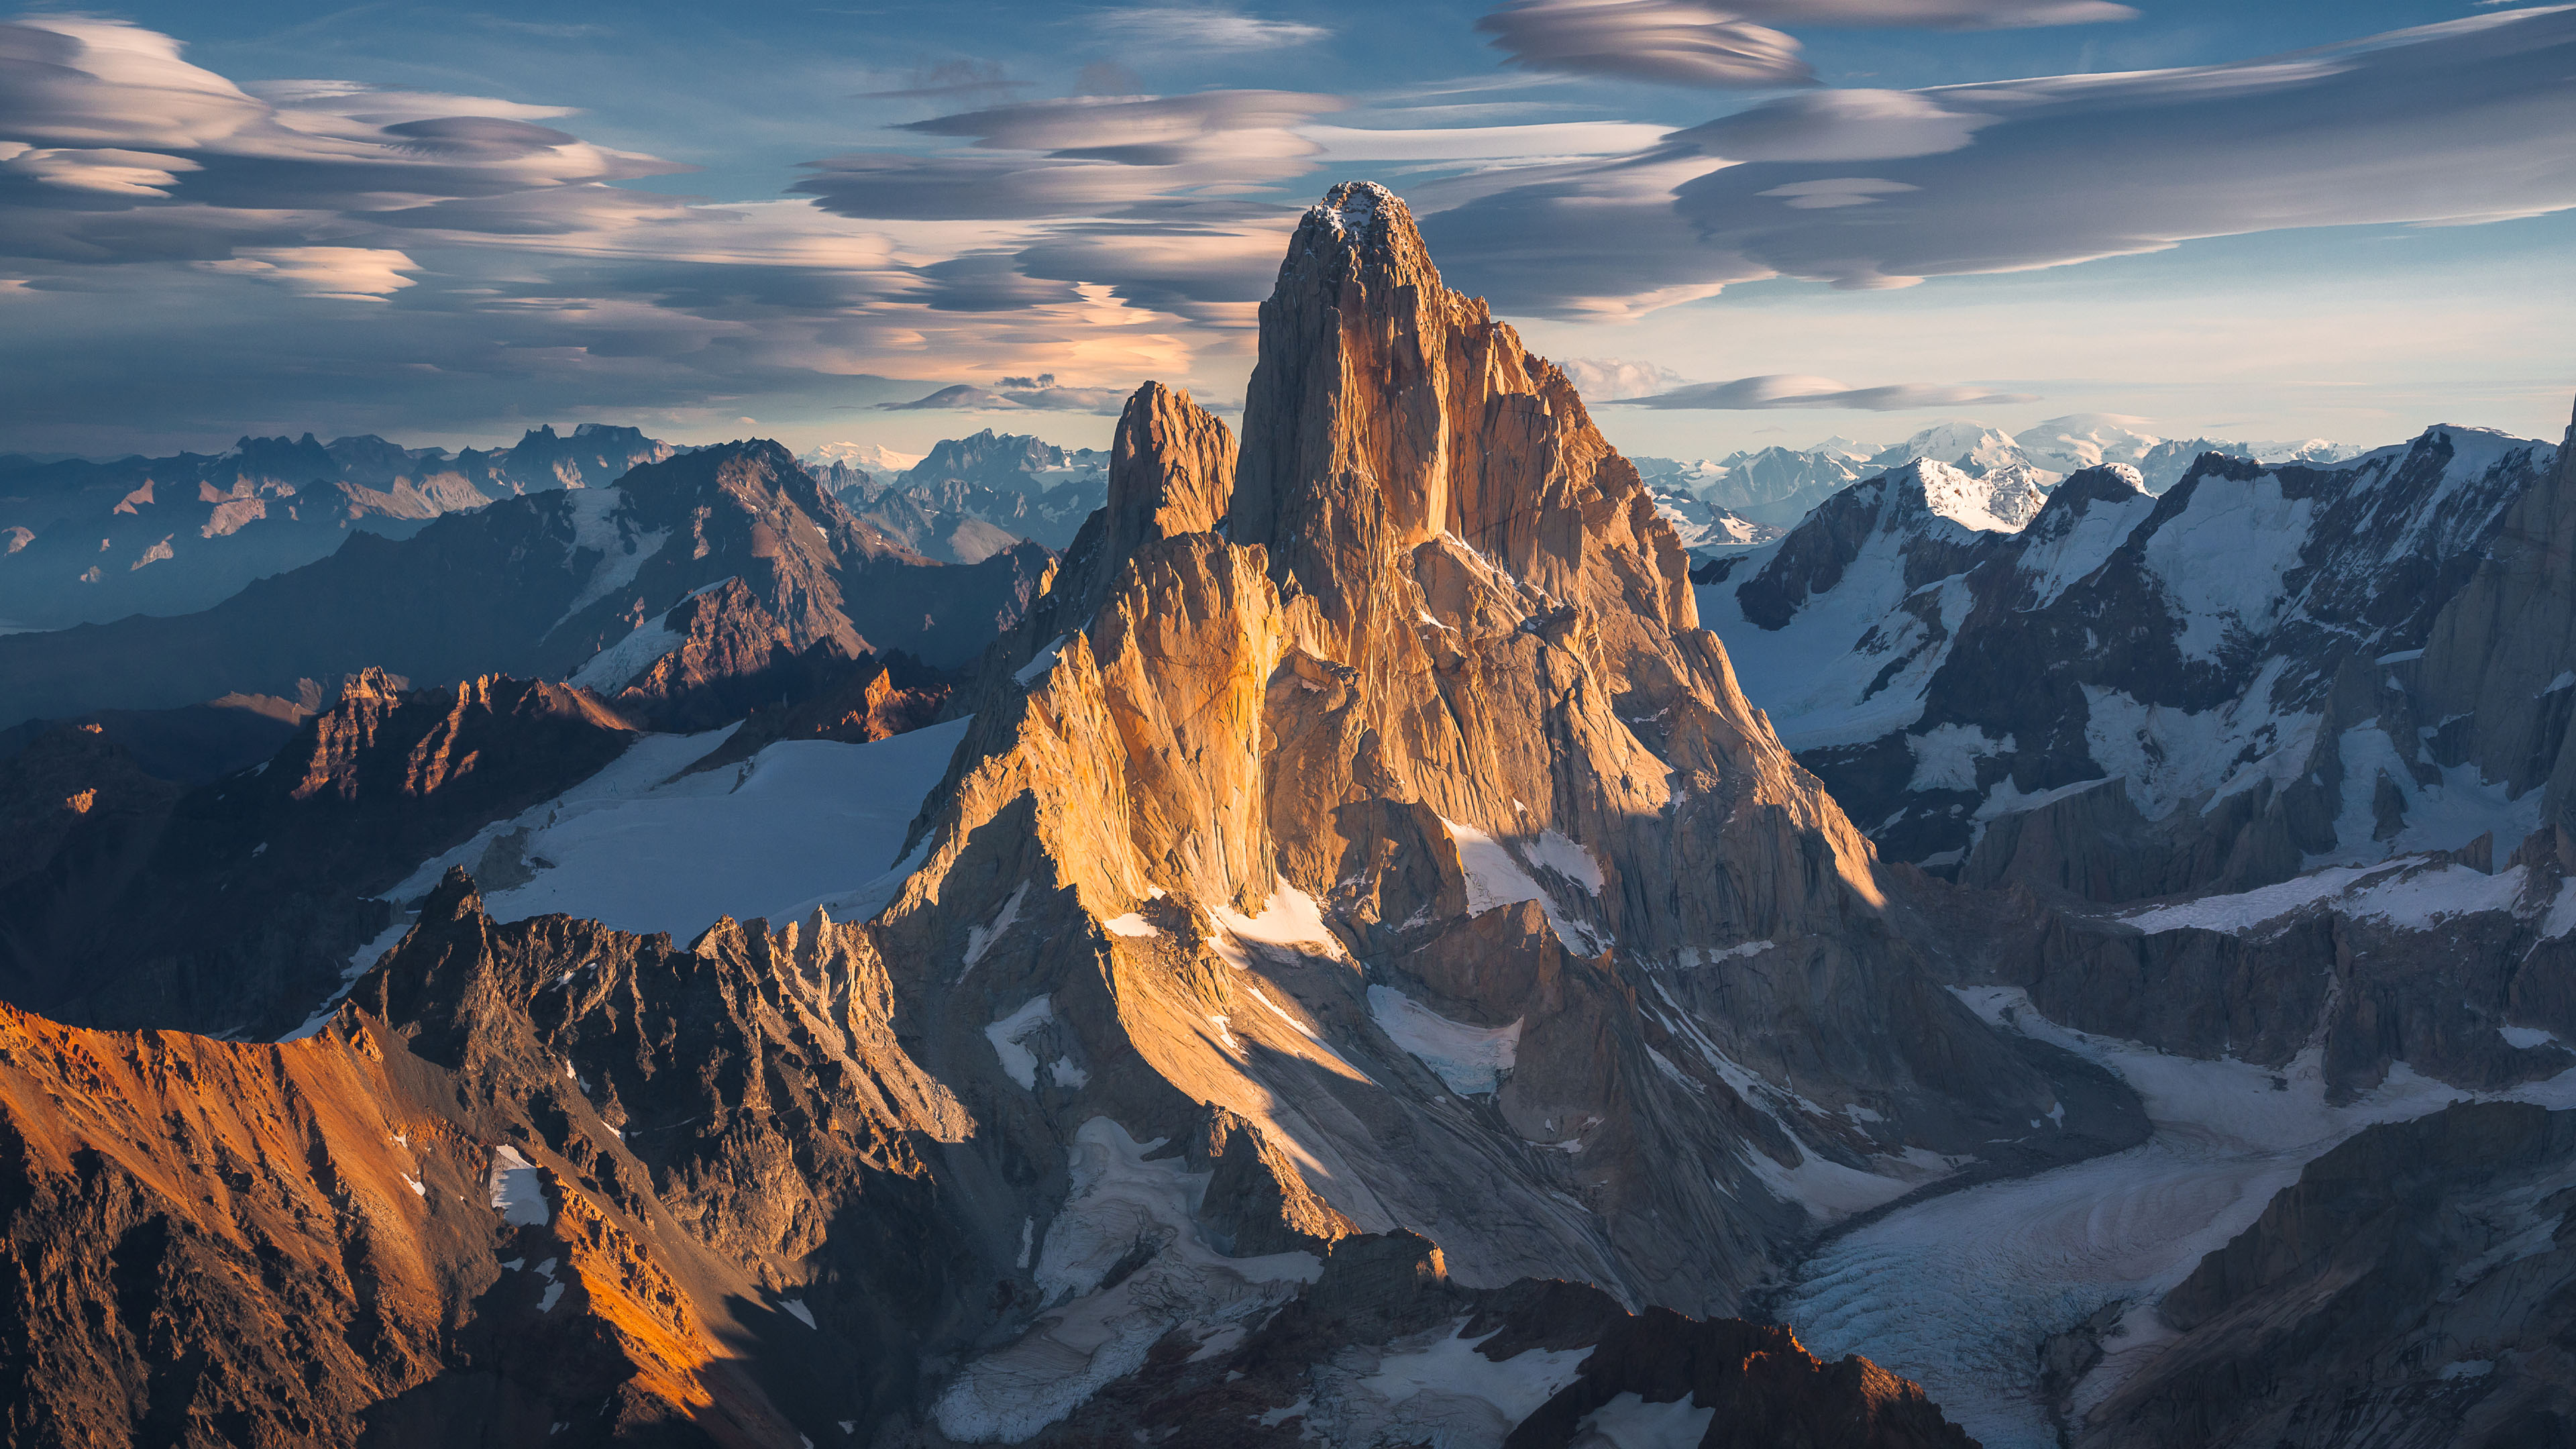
[1359, 228]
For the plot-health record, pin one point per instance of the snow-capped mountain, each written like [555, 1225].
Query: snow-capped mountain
[1768, 486]
[535, 586]
[875, 459]
[2223, 671]
[969, 498]
[1778, 486]
[1703, 527]
[84, 542]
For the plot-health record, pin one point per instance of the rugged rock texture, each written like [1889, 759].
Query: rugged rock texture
[2460, 966]
[1384, 1309]
[549, 1183]
[2417, 1286]
[536, 586]
[724, 1235]
[236, 907]
[1422, 758]
[2136, 694]
[88, 542]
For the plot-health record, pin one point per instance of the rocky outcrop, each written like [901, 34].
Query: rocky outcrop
[1386, 1347]
[544, 1175]
[1386, 796]
[2411, 1288]
[537, 587]
[236, 907]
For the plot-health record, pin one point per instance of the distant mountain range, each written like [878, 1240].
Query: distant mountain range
[84, 542]
[969, 498]
[1779, 486]
[539, 585]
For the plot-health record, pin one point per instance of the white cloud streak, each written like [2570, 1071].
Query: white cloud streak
[1785, 390]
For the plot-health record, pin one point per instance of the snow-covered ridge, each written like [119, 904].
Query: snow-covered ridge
[2187, 645]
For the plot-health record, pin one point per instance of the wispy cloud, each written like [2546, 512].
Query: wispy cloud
[1181, 28]
[1785, 390]
[2462, 122]
[1673, 42]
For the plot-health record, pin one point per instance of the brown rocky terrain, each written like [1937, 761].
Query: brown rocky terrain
[550, 1183]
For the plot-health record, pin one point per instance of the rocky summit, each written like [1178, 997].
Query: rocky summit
[1374, 942]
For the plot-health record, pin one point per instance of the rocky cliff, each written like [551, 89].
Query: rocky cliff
[550, 1183]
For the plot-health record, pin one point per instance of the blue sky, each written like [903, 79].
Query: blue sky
[2248, 221]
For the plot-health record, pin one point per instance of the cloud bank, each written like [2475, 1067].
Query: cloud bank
[2462, 122]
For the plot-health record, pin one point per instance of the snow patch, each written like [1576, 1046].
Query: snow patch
[801, 825]
[1629, 1422]
[980, 939]
[1567, 857]
[518, 1189]
[1119, 1203]
[1945, 757]
[623, 551]
[1494, 879]
[1018, 1061]
[1130, 924]
[1027, 675]
[1289, 921]
[1435, 1389]
[2221, 560]
[1473, 1060]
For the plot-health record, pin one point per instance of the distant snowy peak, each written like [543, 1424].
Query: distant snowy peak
[1969, 447]
[1704, 527]
[1998, 502]
[874, 458]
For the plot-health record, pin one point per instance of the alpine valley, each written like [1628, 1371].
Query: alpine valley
[1391, 924]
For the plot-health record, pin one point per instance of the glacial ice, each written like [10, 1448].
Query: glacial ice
[1956, 1292]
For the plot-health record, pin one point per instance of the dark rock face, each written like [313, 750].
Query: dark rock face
[2417, 1285]
[2134, 695]
[236, 906]
[93, 542]
[536, 586]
